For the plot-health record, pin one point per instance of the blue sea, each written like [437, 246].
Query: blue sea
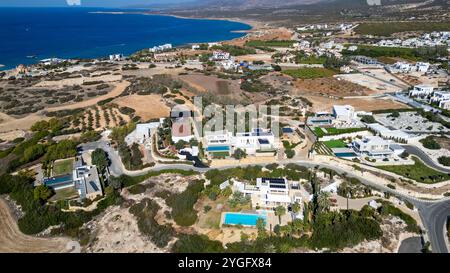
[84, 33]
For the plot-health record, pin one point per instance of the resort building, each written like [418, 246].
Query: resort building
[160, 48]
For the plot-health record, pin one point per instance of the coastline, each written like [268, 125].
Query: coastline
[254, 25]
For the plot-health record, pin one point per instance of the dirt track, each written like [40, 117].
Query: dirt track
[14, 241]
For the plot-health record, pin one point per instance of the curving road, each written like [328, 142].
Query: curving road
[433, 213]
[425, 158]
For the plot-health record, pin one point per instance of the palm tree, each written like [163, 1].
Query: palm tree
[280, 211]
[270, 249]
[323, 201]
[296, 207]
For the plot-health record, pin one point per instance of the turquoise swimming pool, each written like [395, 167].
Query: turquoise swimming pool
[345, 154]
[244, 219]
[218, 149]
[58, 181]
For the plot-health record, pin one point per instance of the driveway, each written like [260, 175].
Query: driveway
[425, 158]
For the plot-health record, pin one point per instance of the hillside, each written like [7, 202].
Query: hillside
[294, 12]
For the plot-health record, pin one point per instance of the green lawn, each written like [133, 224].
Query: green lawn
[63, 167]
[64, 194]
[219, 155]
[418, 172]
[310, 73]
[319, 132]
[335, 144]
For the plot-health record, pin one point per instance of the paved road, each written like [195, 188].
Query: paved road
[434, 216]
[433, 213]
[411, 149]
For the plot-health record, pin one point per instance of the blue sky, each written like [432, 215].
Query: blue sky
[95, 3]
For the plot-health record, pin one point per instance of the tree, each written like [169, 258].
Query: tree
[42, 193]
[296, 207]
[115, 183]
[289, 153]
[180, 144]
[239, 154]
[280, 211]
[323, 201]
[261, 226]
[227, 192]
[100, 159]
[270, 248]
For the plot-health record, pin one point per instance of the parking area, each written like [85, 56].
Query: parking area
[409, 122]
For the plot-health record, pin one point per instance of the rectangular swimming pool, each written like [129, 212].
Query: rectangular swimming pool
[345, 154]
[58, 181]
[218, 149]
[242, 219]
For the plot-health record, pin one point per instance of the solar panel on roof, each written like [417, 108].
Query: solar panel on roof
[278, 186]
[93, 185]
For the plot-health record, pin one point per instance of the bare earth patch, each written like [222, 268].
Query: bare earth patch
[147, 107]
[321, 103]
[12, 240]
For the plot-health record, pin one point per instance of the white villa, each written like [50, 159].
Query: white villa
[253, 143]
[376, 147]
[439, 96]
[445, 104]
[220, 56]
[142, 132]
[421, 91]
[269, 192]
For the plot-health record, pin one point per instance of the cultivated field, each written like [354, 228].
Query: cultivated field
[220, 90]
[331, 87]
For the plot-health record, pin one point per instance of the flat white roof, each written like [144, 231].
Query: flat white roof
[342, 109]
[278, 198]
